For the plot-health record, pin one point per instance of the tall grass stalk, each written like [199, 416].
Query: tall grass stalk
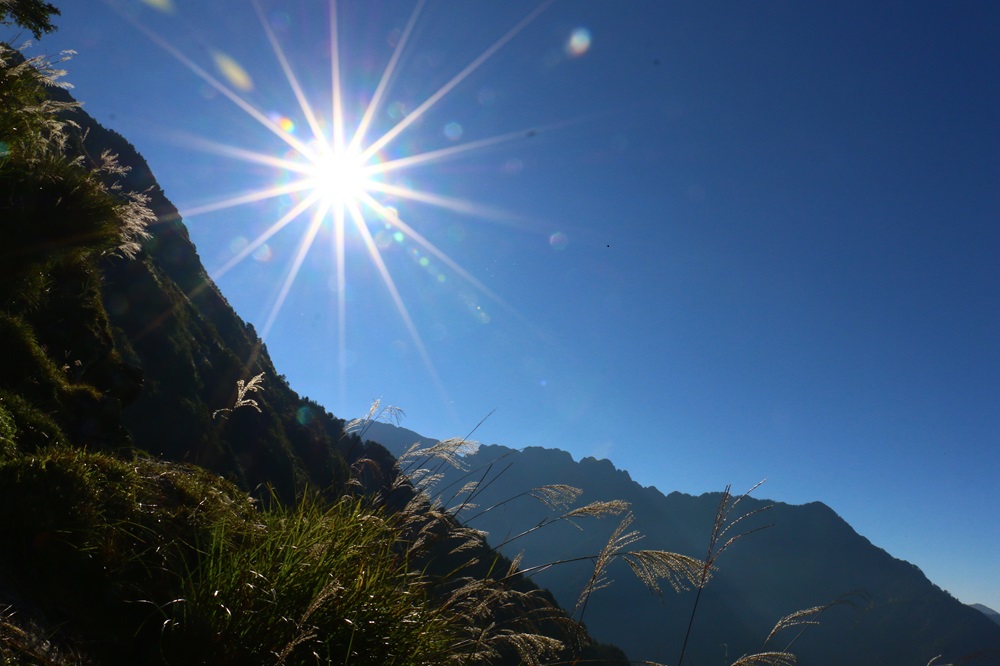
[243, 389]
[722, 525]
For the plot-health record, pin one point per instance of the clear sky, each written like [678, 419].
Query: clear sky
[713, 243]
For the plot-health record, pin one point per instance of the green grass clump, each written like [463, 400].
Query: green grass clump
[309, 583]
[96, 539]
[26, 644]
[8, 433]
[143, 561]
[47, 403]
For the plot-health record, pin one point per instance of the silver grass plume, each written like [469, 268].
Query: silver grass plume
[133, 212]
[649, 566]
[767, 659]
[376, 412]
[722, 524]
[242, 390]
[42, 133]
[807, 617]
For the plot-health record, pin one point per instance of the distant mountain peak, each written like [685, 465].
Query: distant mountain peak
[987, 611]
[808, 557]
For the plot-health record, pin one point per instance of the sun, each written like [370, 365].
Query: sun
[340, 177]
[336, 175]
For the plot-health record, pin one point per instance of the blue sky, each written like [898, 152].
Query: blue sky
[715, 245]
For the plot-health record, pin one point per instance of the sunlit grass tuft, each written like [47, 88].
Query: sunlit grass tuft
[310, 582]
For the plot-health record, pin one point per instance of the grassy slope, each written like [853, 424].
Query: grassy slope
[121, 539]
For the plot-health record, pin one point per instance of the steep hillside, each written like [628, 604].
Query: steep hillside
[165, 496]
[808, 557]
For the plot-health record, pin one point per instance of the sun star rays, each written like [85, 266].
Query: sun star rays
[337, 175]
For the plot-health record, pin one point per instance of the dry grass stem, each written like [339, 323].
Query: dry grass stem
[376, 412]
[243, 388]
[766, 659]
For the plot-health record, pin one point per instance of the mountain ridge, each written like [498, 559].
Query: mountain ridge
[987, 611]
[809, 556]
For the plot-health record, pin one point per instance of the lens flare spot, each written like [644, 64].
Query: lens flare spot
[383, 239]
[165, 6]
[238, 244]
[453, 131]
[264, 253]
[286, 124]
[558, 241]
[398, 237]
[304, 415]
[396, 110]
[579, 43]
[425, 262]
[232, 71]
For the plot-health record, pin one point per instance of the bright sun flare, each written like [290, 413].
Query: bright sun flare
[339, 177]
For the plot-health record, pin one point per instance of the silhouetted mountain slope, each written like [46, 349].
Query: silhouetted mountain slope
[809, 557]
[187, 348]
[116, 370]
[987, 611]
